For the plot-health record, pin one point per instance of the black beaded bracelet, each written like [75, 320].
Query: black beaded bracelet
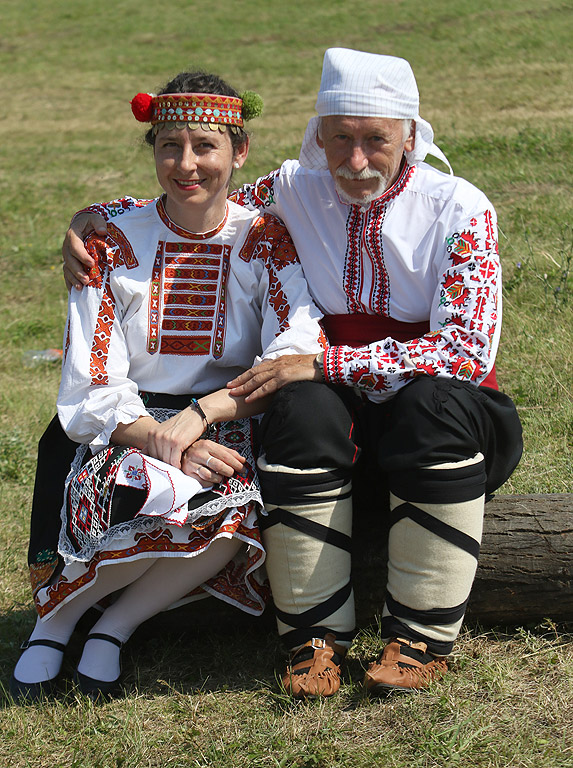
[194, 403]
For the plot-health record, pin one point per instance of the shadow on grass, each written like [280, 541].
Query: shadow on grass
[206, 646]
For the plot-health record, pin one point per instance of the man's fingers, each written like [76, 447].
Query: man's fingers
[241, 379]
[77, 261]
[266, 389]
[75, 273]
[250, 381]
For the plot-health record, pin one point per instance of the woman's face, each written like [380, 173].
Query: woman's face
[194, 169]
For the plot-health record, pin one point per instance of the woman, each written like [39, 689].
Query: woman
[187, 290]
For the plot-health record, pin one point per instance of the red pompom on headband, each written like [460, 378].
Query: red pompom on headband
[142, 107]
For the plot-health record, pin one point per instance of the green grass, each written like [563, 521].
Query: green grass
[495, 83]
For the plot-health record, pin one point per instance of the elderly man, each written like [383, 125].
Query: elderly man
[403, 261]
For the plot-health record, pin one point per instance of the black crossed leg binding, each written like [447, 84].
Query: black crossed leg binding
[307, 537]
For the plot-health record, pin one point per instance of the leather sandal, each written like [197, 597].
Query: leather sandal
[99, 689]
[314, 669]
[32, 692]
[404, 666]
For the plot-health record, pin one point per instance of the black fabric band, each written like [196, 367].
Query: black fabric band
[304, 525]
[170, 402]
[295, 488]
[440, 486]
[107, 638]
[431, 523]
[297, 637]
[431, 616]
[414, 653]
[42, 641]
[301, 500]
[317, 612]
[390, 626]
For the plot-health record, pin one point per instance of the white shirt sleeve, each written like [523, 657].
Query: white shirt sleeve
[290, 319]
[96, 393]
[261, 195]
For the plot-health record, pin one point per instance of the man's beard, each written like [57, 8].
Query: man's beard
[366, 173]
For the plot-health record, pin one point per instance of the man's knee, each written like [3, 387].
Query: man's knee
[308, 425]
[431, 420]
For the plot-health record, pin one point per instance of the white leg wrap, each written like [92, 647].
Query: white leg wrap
[433, 560]
[306, 572]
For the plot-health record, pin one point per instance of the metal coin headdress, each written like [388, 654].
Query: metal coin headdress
[208, 110]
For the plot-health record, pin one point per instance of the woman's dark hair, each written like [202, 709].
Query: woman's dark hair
[201, 82]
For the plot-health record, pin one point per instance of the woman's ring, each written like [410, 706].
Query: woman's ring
[208, 460]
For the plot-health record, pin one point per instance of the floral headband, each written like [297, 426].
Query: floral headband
[208, 110]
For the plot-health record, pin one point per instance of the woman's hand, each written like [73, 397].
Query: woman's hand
[170, 439]
[77, 261]
[176, 442]
[210, 462]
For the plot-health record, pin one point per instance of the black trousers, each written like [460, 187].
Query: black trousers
[430, 421]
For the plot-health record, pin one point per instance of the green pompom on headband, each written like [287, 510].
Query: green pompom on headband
[252, 105]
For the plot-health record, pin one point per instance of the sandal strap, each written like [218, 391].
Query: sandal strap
[319, 643]
[107, 638]
[330, 654]
[42, 641]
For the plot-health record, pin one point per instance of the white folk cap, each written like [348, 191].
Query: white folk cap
[368, 85]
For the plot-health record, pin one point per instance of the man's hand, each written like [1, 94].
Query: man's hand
[77, 261]
[268, 377]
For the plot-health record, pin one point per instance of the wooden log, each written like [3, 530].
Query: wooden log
[525, 571]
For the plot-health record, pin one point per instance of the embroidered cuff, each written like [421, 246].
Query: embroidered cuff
[333, 366]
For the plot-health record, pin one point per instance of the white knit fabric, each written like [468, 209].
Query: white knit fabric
[368, 85]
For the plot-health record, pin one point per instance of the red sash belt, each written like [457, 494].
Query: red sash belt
[361, 329]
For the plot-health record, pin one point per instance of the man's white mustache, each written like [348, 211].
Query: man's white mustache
[365, 173]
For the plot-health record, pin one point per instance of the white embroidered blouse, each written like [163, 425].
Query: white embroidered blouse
[174, 312]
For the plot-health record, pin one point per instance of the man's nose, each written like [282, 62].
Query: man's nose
[357, 159]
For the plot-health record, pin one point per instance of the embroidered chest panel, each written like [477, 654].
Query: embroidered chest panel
[365, 279]
[187, 299]
[364, 262]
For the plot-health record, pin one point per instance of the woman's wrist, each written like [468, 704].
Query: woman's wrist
[207, 426]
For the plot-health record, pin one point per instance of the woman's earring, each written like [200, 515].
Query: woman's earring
[235, 164]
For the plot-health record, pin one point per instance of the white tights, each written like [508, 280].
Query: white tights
[150, 586]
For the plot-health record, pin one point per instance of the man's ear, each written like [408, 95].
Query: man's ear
[411, 140]
[319, 140]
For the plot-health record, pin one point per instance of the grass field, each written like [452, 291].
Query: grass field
[495, 81]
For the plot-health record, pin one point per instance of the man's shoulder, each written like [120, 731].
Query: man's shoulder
[293, 169]
[447, 189]
[296, 184]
